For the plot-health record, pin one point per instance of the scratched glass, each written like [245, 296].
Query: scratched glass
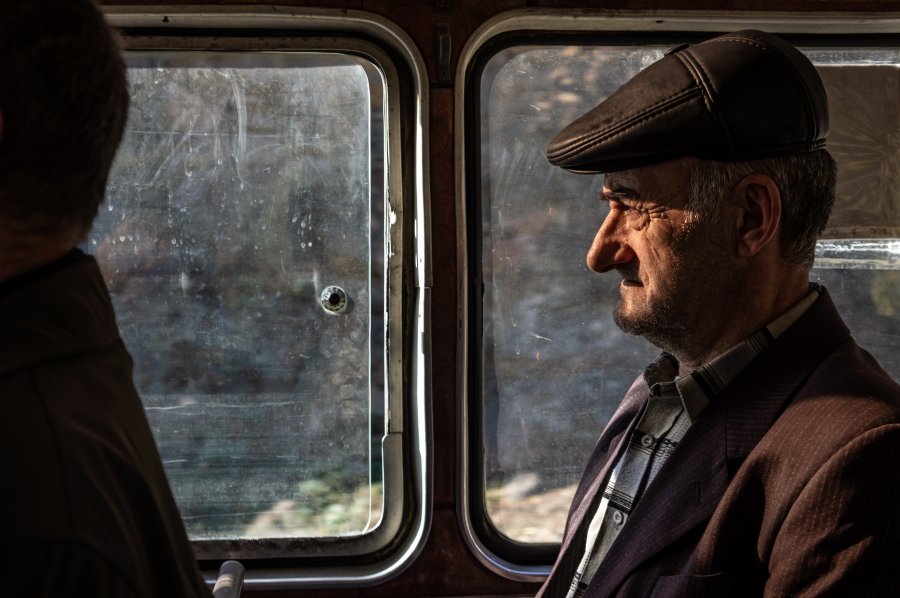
[554, 365]
[245, 186]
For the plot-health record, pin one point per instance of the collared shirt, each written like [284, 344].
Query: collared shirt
[674, 404]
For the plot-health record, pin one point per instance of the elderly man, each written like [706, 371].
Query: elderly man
[85, 507]
[756, 455]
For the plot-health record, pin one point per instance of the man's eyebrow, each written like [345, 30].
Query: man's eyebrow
[619, 193]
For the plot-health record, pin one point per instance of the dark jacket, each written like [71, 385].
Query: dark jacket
[85, 507]
[787, 485]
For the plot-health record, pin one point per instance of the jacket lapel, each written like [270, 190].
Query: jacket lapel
[609, 445]
[690, 485]
[683, 495]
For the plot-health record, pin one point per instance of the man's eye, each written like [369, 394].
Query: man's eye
[635, 208]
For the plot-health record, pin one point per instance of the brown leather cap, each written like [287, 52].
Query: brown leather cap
[740, 96]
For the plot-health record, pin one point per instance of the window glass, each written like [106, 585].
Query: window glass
[241, 240]
[554, 365]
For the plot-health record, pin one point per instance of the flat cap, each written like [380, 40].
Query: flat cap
[739, 96]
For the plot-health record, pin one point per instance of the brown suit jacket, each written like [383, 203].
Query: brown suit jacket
[787, 485]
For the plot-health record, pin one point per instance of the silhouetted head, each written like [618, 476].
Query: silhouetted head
[63, 105]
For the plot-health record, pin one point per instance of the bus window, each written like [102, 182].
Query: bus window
[548, 366]
[245, 193]
[256, 243]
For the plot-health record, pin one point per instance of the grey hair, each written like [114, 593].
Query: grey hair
[807, 185]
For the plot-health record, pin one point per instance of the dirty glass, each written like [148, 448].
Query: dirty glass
[554, 365]
[241, 242]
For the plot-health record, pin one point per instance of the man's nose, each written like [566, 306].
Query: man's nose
[610, 247]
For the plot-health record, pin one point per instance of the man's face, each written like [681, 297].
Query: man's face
[675, 271]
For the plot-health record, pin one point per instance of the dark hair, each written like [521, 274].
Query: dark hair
[807, 185]
[63, 105]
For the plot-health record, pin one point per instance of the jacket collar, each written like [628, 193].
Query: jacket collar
[64, 311]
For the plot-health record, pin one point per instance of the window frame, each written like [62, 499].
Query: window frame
[378, 555]
[513, 560]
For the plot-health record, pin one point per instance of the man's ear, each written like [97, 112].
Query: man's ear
[758, 202]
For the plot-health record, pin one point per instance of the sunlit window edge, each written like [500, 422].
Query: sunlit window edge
[242, 22]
